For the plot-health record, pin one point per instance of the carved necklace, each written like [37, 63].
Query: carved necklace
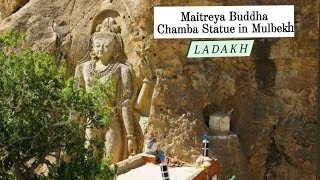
[111, 67]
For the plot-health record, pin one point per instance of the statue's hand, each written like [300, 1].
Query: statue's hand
[145, 68]
[132, 144]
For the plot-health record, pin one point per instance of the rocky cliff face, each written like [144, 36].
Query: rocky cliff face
[8, 7]
[272, 92]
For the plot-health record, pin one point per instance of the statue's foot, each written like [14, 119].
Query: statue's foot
[131, 155]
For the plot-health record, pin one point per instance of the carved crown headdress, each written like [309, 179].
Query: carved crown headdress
[108, 25]
[108, 28]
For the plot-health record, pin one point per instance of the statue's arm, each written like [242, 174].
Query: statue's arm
[78, 77]
[146, 88]
[79, 83]
[126, 79]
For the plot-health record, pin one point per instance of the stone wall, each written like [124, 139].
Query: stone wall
[272, 92]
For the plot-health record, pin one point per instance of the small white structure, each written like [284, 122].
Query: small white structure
[150, 146]
[220, 123]
[164, 171]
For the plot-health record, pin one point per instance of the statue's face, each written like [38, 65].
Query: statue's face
[103, 48]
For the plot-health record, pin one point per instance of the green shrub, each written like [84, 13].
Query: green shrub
[38, 110]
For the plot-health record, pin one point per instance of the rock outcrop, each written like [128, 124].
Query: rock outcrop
[272, 92]
[8, 7]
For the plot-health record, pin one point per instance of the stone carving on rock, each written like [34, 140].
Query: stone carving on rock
[105, 61]
[143, 99]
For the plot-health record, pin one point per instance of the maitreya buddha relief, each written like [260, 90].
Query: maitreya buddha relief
[107, 61]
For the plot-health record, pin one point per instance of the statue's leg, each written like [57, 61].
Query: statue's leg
[114, 140]
[92, 133]
[130, 130]
[88, 135]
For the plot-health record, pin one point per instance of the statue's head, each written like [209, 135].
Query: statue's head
[106, 44]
